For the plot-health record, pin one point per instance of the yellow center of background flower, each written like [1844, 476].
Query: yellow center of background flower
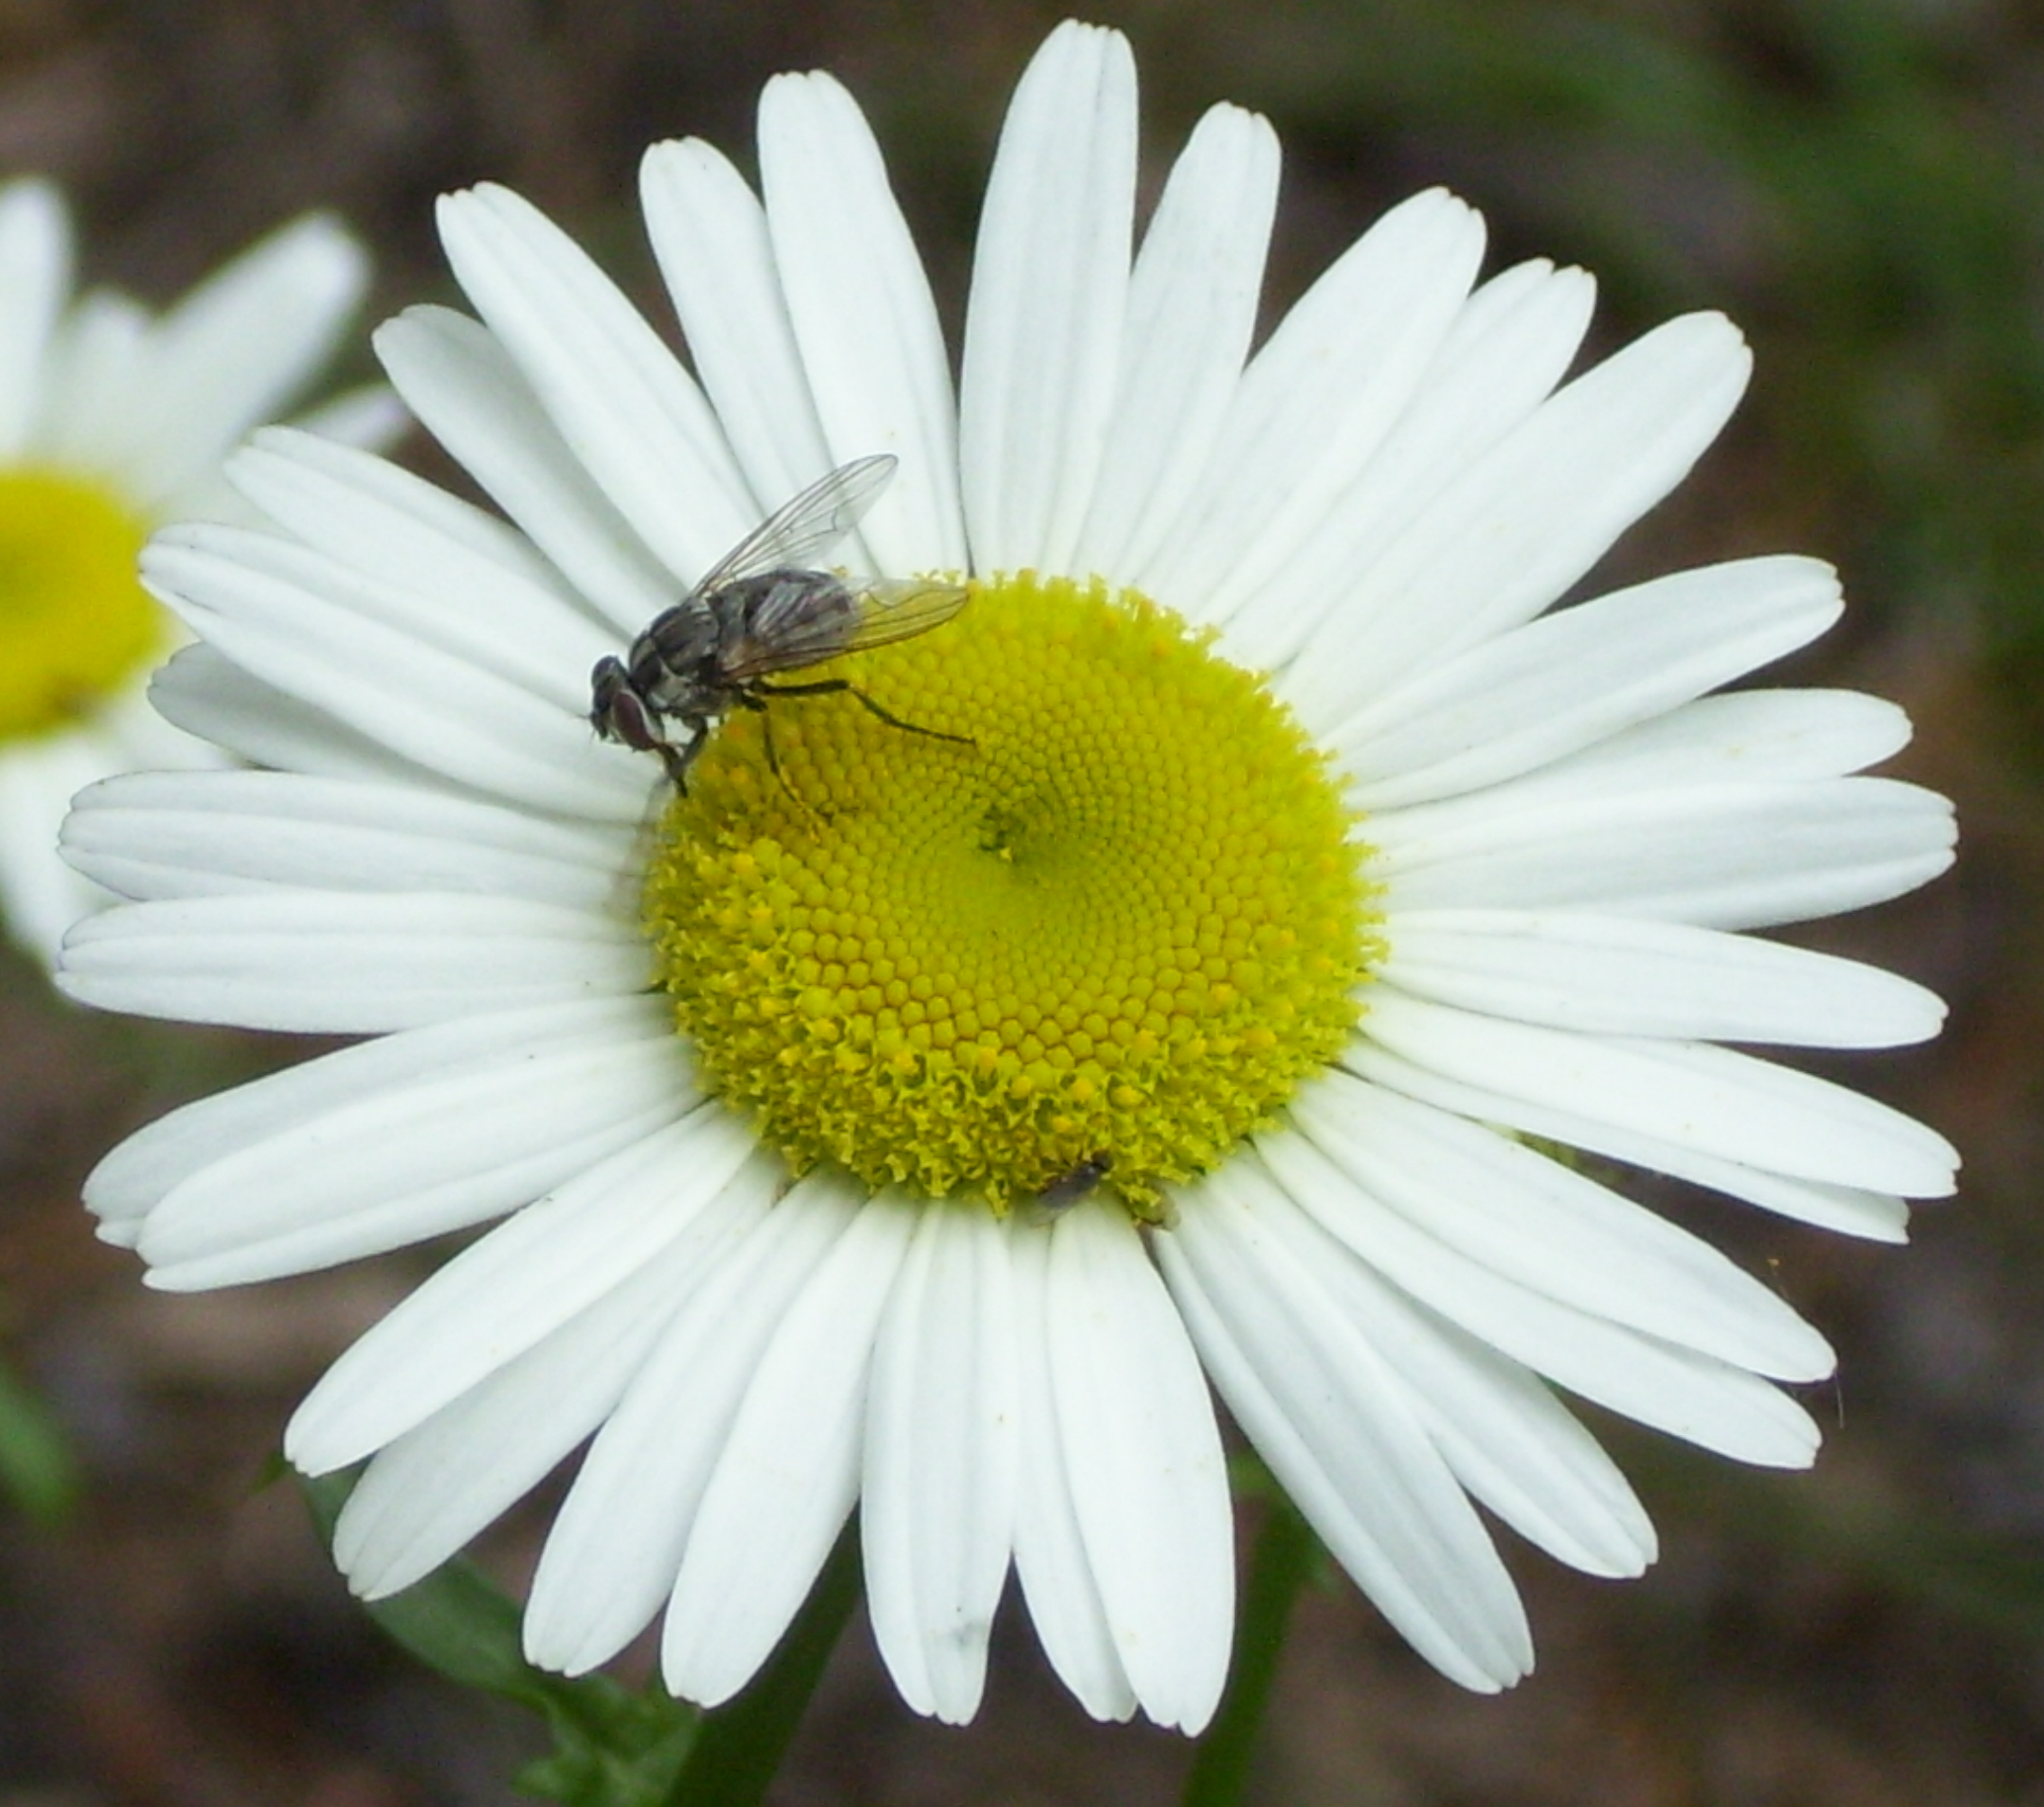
[74, 623]
[1123, 922]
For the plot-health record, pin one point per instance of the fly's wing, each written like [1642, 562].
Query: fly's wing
[819, 624]
[797, 534]
[900, 608]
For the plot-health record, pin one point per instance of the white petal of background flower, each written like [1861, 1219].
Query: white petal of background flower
[35, 276]
[233, 353]
[100, 391]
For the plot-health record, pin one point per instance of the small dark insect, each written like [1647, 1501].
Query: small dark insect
[764, 609]
[1047, 1206]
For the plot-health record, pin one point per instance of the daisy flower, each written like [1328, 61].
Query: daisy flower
[1184, 968]
[111, 423]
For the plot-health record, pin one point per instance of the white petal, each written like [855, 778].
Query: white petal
[634, 421]
[1339, 1431]
[1192, 308]
[237, 348]
[522, 1281]
[386, 679]
[368, 419]
[790, 1470]
[405, 1166]
[1852, 1211]
[1627, 976]
[1515, 1446]
[204, 693]
[95, 361]
[1693, 1396]
[1543, 1226]
[1726, 855]
[616, 1546]
[158, 835]
[35, 277]
[1525, 521]
[709, 233]
[1317, 402]
[937, 1501]
[346, 963]
[473, 608]
[41, 895]
[1050, 1561]
[1722, 1103]
[1145, 1466]
[1508, 347]
[863, 313]
[158, 1160]
[1569, 679]
[423, 1495]
[367, 513]
[470, 395]
[1050, 292]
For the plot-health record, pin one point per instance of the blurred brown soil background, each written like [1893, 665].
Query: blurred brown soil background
[1861, 184]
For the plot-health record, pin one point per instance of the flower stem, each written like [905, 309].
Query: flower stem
[1285, 1553]
[740, 1746]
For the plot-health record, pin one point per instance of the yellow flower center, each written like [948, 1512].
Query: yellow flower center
[74, 623]
[1107, 937]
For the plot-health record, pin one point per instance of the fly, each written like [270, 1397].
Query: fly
[761, 608]
[1047, 1206]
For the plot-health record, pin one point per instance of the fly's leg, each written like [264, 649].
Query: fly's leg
[826, 686]
[773, 764]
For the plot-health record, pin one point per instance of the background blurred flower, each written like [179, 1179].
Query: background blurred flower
[111, 421]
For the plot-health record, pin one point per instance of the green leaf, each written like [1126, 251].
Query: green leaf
[36, 1467]
[612, 1748]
